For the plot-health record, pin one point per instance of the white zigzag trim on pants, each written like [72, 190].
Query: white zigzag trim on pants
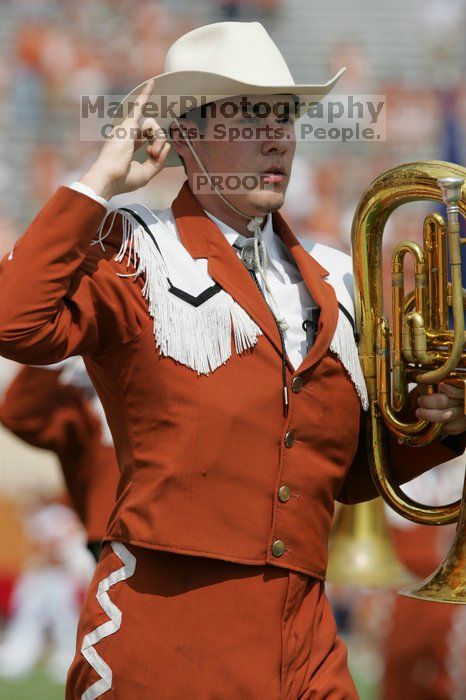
[113, 625]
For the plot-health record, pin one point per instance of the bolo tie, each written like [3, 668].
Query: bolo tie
[255, 258]
[254, 262]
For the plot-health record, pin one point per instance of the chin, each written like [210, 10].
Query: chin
[267, 202]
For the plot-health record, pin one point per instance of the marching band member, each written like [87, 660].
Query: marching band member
[235, 427]
[56, 408]
[45, 598]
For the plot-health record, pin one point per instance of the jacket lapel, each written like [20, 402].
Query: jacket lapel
[201, 237]
[321, 291]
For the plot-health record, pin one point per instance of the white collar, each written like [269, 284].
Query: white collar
[269, 239]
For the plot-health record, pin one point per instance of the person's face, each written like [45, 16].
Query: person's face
[252, 139]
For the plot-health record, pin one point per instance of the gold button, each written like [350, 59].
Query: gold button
[289, 438]
[297, 384]
[278, 548]
[284, 493]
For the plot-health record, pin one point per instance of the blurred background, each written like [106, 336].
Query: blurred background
[51, 52]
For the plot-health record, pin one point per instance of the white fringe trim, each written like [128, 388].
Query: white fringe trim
[107, 628]
[344, 347]
[198, 337]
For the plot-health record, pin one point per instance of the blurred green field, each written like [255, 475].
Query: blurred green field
[362, 664]
[367, 691]
[37, 686]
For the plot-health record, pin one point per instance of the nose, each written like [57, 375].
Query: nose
[274, 146]
[277, 139]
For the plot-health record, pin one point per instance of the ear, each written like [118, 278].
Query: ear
[189, 131]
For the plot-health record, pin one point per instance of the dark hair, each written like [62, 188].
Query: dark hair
[199, 117]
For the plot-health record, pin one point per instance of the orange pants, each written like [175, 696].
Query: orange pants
[194, 628]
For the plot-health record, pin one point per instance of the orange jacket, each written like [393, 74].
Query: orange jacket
[53, 416]
[202, 458]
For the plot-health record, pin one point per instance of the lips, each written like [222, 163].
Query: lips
[274, 170]
[274, 174]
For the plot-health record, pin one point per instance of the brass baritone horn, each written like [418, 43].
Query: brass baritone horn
[423, 348]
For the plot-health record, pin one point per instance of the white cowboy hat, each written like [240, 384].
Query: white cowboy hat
[217, 61]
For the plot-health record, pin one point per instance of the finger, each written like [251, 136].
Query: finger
[455, 427]
[151, 130]
[157, 146]
[438, 415]
[153, 149]
[454, 392]
[155, 164]
[142, 99]
[440, 401]
[133, 107]
[154, 145]
[164, 153]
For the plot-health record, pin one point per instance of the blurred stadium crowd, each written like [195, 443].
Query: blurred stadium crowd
[52, 51]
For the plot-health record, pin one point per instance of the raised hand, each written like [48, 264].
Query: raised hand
[115, 171]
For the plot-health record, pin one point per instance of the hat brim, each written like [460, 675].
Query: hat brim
[176, 92]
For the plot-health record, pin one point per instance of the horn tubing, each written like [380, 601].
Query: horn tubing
[406, 183]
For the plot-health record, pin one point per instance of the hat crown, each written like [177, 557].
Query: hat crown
[242, 51]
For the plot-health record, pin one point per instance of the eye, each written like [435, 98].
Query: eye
[286, 119]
